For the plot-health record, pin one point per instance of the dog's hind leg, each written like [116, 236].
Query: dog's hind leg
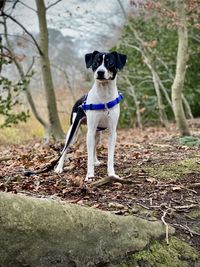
[69, 138]
[59, 168]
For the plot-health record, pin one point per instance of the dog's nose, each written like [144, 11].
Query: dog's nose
[100, 74]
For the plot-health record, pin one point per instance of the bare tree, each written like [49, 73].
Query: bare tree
[182, 57]
[181, 18]
[146, 54]
[55, 125]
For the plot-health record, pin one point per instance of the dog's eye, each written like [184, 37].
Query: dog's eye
[110, 64]
[95, 64]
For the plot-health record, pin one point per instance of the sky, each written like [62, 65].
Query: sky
[85, 21]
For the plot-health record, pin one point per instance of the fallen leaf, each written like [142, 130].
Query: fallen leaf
[152, 180]
[176, 188]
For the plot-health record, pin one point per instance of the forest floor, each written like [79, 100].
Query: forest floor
[161, 177]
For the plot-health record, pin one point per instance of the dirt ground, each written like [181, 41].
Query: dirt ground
[161, 177]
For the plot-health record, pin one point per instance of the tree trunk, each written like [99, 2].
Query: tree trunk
[43, 232]
[187, 108]
[182, 57]
[55, 126]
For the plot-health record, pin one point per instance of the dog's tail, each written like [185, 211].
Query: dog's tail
[80, 115]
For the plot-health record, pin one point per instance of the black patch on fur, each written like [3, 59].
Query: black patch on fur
[113, 61]
[120, 60]
[89, 58]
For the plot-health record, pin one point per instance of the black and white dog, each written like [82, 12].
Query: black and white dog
[100, 107]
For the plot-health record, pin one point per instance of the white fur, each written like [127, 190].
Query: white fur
[102, 91]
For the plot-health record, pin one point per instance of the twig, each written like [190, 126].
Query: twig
[143, 206]
[188, 189]
[185, 207]
[53, 4]
[27, 6]
[26, 31]
[186, 228]
[166, 226]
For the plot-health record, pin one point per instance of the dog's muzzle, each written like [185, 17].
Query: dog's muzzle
[101, 75]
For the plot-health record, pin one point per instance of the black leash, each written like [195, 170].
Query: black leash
[79, 117]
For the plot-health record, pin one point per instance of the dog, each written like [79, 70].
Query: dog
[100, 109]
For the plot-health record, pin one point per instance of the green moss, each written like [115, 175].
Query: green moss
[190, 141]
[174, 170]
[195, 224]
[176, 254]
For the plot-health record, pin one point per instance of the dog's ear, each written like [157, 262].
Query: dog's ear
[120, 60]
[89, 58]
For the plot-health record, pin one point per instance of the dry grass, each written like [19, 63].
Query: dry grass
[32, 129]
[23, 132]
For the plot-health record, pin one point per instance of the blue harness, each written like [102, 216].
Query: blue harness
[102, 106]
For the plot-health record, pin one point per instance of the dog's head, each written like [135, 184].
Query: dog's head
[105, 65]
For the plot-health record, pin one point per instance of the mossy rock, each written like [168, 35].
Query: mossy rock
[159, 254]
[175, 170]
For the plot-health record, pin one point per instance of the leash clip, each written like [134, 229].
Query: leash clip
[107, 111]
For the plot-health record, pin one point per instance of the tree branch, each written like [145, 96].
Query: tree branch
[14, 5]
[26, 31]
[23, 75]
[53, 4]
[27, 6]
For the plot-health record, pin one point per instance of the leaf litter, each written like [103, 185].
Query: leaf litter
[146, 195]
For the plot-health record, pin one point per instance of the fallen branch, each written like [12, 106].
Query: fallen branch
[6, 158]
[111, 179]
[186, 207]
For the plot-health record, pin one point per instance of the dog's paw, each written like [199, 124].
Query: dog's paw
[58, 169]
[89, 178]
[97, 163]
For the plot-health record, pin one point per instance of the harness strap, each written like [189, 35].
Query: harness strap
[102, 106]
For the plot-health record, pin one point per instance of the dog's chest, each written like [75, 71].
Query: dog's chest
[102, 93]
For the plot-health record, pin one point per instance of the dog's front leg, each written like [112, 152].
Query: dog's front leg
[92, 122]
[90, 151]
[113, 120]
[111, 150]
[97, 139]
